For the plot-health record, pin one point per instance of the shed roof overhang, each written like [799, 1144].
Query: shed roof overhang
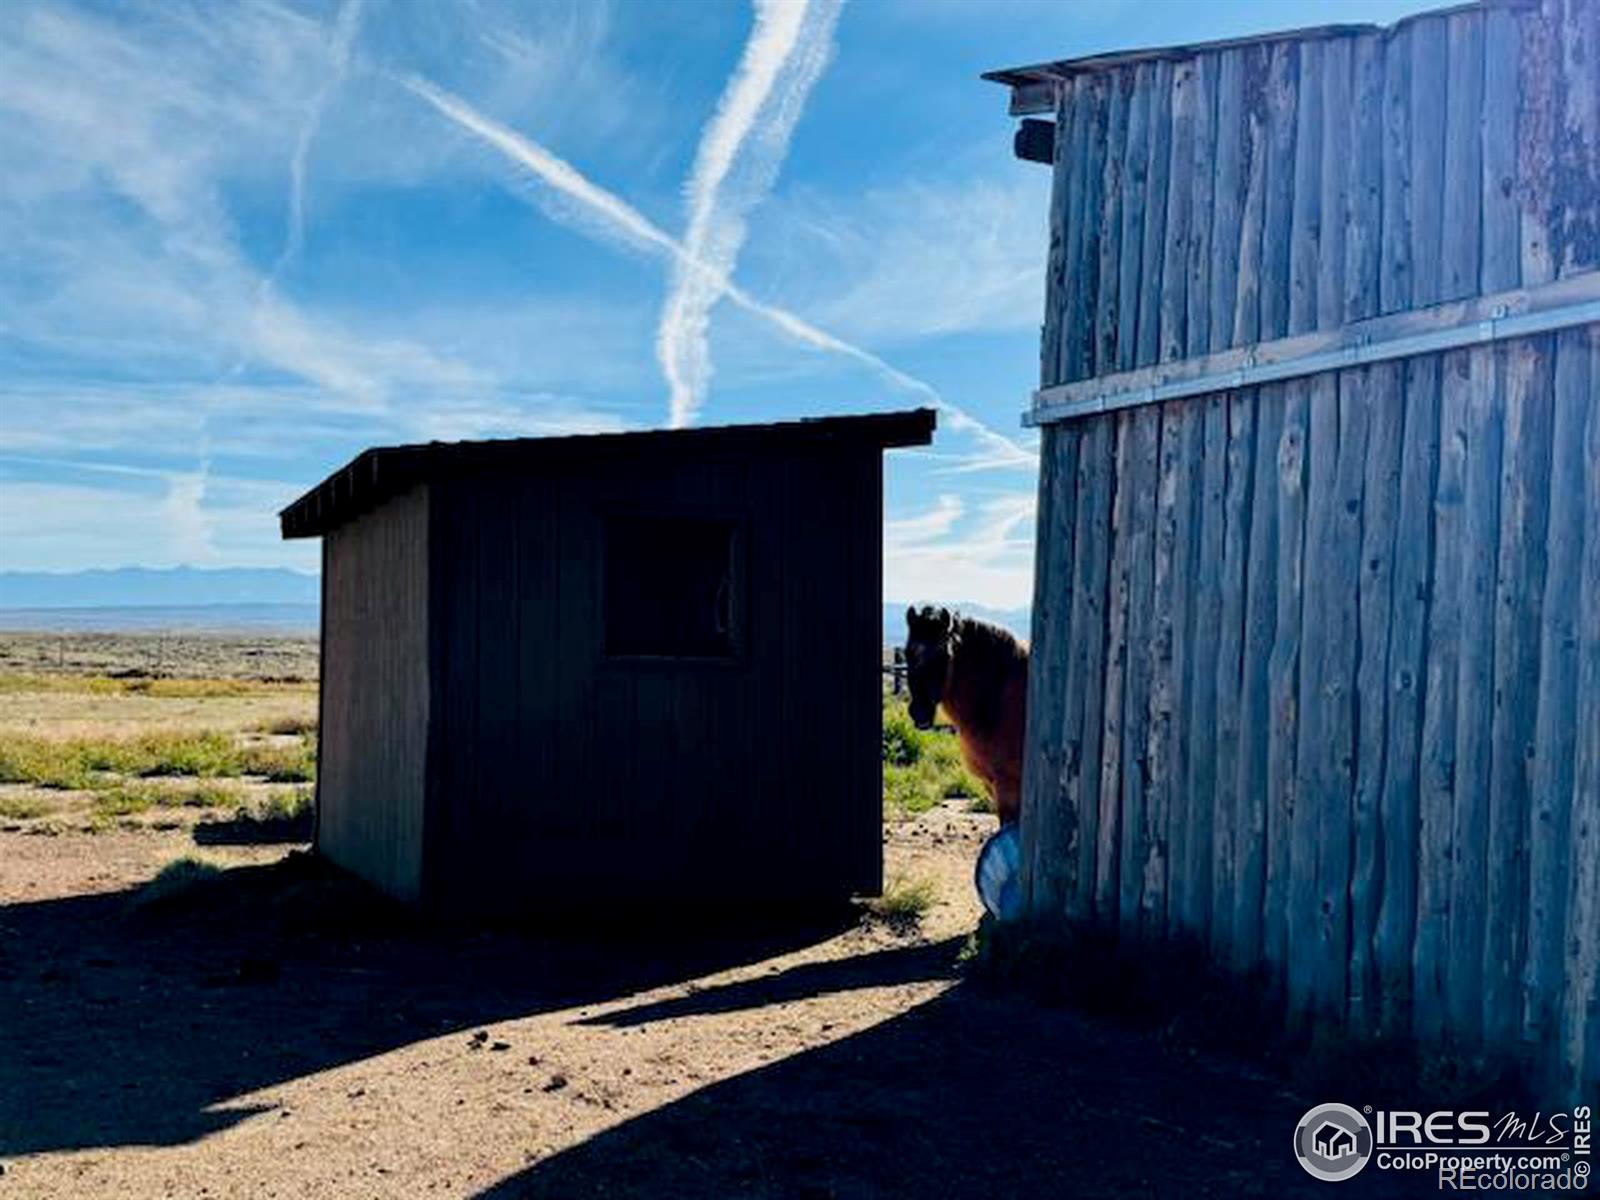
[385, 471]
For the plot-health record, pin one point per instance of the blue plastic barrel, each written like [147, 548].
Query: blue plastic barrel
[998, 875]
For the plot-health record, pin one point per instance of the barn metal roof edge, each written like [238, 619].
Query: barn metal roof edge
[1032, 86]
[383, 471]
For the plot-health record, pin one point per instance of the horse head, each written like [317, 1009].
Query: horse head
[928, 651]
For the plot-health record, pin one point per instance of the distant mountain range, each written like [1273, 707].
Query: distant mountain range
[130, 598]
[174, 587]
[1017, 620]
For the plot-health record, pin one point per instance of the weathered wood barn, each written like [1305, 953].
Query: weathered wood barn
[583, 672]
[1316, 641]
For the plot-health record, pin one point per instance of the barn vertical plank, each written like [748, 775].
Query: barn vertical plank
[1306, 216]
[1097, 100]
[1136, 193]
[1144, 865]
[1339, 580]
[1577, 156]
[1438, 754]
[1502, 244]
[1519, 584]
[1580, 1027]
[1283, 813]
[1252, 218]
[1108, 273]
[1193, 170]
[1165, 95]
[1178, 459]
[1313, 778]
[1281, 102]
[1364, 200]
[1295, 509]
[1463, 157]
[1376, 492]
[1407, 674]
[1538, 76]
[1109, 885]
[1258, 922]
[1038, 818]
[1238, 417]
[1394, 276]
[1474, 693]
[1091, 569]
[1077, 282]
[1167, 643]
[1429, 54]
[1337, 59]
[1210, 810]
[1055, 256]
[1051, 822]
[1283, 671]
[1227, 832]
[1200, 787]
[1234, 178]
[1254, 833]
[1550, 789]
[1379, 505]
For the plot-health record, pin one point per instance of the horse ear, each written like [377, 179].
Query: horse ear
[944, 619]
[911, 616]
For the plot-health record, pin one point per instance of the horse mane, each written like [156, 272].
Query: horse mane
[983, 659]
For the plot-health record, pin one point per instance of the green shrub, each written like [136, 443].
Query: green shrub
[23, 808]
[922, 767]
[81, 763]
[280, 764]
[902, 741]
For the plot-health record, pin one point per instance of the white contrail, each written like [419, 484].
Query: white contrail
[785, 56]
[622, 218]
[345, 28]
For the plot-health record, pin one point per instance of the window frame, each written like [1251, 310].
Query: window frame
[739, 568]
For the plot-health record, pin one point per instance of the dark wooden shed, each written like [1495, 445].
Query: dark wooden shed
[575, 672]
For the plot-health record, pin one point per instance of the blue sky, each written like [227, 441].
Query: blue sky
[241, 242]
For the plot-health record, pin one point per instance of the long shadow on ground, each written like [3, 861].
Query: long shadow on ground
[123, 1021]
[976, 1093]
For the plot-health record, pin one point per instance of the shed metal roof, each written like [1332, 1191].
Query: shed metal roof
[384, 471]
[1033, 87]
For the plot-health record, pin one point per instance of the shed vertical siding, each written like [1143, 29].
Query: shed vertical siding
[567, 779]
[373, 746]
[1315, 661]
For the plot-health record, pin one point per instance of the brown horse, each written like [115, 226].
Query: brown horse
[979, 674]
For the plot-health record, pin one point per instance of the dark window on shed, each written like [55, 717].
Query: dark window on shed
[671, 587]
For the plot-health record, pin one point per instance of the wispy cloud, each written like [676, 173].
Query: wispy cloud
[622, 220]
[986, 558]
[788, 48]
[951, 255]
[345, 29]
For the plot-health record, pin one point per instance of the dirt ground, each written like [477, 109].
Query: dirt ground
[276, 1031]
[285, 1036]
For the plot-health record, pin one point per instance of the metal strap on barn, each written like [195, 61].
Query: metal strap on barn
[1518, 313]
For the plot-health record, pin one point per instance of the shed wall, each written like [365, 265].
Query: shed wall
[567, 778]
[1316, 669]
[375, 694]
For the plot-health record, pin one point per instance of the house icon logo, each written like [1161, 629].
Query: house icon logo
[1333, 1142]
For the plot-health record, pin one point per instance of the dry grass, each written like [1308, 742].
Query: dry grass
[905, 900]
